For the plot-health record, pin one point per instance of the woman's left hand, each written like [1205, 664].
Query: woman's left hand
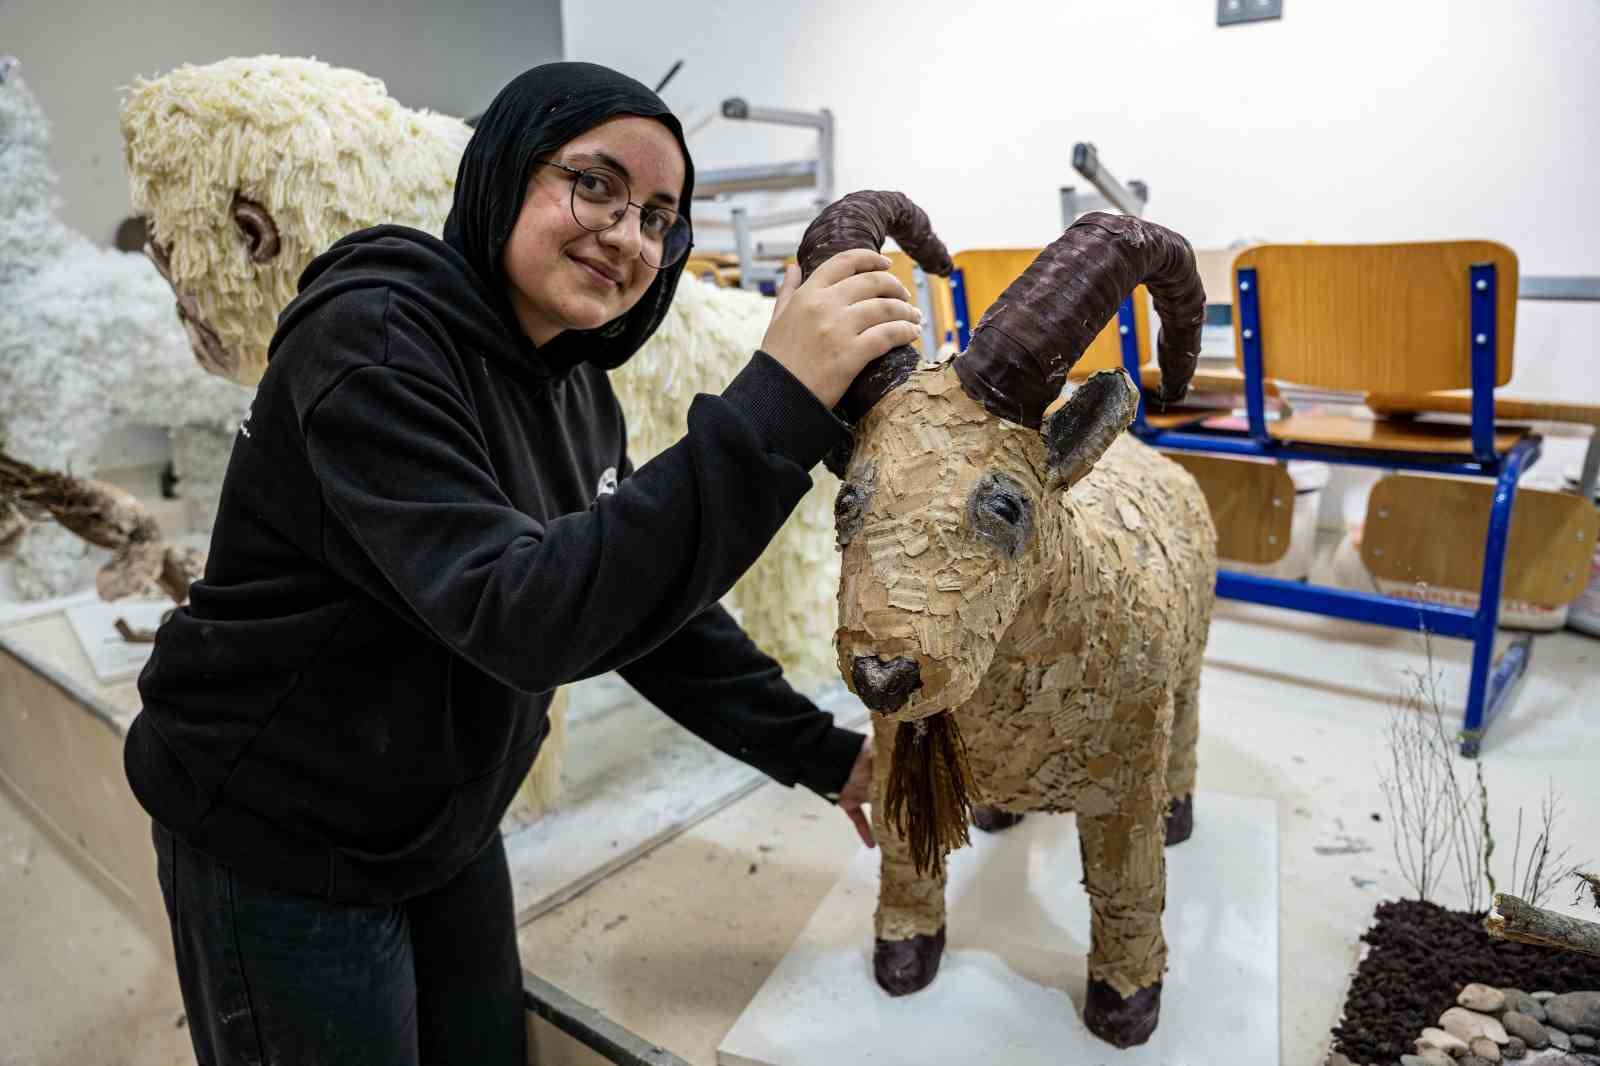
[857, 792]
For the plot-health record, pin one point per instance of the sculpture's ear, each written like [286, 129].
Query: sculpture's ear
[1080, 432]
[256, 226]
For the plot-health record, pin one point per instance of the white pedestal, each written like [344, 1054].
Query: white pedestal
[1011, 986]
[113, 657]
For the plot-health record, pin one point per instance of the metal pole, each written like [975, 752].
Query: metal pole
[737, 107]
[1086, 161]
[825, 159]
[930, 338]
[741, 244]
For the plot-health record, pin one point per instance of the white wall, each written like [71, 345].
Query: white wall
[78, 54]
[1347, 120]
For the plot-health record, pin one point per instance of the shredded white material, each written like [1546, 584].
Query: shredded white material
[89, 343]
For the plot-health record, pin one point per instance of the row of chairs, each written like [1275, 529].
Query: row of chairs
[1417, 337]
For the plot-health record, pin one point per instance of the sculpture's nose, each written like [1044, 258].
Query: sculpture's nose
[885, 686]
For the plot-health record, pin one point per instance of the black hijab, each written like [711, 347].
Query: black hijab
[535, 114]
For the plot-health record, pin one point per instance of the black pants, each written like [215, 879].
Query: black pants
[272, 978]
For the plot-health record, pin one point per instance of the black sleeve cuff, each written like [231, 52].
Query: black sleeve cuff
[830, 764]
[790, 420]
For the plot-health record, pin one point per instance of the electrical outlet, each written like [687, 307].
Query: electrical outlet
[1232, 11]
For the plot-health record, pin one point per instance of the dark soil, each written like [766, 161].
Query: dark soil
[1420, 957]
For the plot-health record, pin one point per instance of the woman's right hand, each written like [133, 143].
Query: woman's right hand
[849, 311]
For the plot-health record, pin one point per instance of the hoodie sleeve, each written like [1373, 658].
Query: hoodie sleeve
[710, 678]
[404, 468]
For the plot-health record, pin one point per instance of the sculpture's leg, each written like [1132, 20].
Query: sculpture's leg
[1186, 727]
[993, 819]
[1121, 814]
[910, 919]
[1181, 756]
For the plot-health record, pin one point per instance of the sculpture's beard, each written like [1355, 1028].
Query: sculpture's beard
[929, 792]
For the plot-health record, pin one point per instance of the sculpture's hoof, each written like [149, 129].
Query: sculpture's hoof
[906, 966]
[993, 819]
[1122, 1022]
[1180, 820]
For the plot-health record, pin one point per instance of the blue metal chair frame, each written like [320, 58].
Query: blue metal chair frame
[1492, 680]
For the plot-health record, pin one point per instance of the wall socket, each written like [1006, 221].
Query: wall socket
[1232, 11]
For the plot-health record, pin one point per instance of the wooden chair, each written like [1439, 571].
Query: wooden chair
[1403, 320]
[709, 270]
[943, 328]
[981, 275]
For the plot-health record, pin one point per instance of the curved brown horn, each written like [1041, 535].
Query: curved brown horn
[863, 220]
[1020, 352]
[255, 222]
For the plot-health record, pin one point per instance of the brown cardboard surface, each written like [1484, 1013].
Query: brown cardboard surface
[1066, 663]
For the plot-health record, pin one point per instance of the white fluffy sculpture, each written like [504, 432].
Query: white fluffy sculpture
[248, 168]
[88, 346]
[1026, 595]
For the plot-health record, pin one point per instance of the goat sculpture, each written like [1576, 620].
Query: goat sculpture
[1034, 648]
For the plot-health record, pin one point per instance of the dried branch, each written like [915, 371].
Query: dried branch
[1589, 881]
[1513, 919]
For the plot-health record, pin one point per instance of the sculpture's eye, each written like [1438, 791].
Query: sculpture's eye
[849, 510]
[1006, 507]
[1000, 512]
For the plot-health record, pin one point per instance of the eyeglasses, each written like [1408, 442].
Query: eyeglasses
[600, 198]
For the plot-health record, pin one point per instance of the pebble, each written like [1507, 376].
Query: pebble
[1485, 1048]
[1558, 1038]
[1435, 1058]
[1519, 1024]
[1543, 996]
[1467, 1024]
[1575, 1012]
[1439, 1040]
[1482, 998]
[1473, 1060]
[1584, 1042]
[1515, 1048]
[1518, 1000]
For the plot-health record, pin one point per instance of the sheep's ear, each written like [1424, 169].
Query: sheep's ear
[256, 226]
[1084, 427]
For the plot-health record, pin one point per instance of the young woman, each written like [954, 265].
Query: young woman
[429, 522]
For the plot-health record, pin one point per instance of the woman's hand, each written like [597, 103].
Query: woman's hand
[850, 311]
[857, 791]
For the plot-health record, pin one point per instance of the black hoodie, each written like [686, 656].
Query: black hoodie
[427, 524]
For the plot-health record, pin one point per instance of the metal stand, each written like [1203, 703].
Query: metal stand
[1129, 199]
[762, 261]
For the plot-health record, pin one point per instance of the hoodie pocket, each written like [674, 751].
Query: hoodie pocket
[434, 830]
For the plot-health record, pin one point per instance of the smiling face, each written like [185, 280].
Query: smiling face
[563, 276]
[941, 522]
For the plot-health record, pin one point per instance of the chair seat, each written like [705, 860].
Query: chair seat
[1432, 530]
[1177, 417]
[1381, 435]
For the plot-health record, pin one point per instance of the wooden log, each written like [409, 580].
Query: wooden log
[1513, 919]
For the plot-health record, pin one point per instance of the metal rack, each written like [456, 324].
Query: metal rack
[1128, 198]
[762, 261]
